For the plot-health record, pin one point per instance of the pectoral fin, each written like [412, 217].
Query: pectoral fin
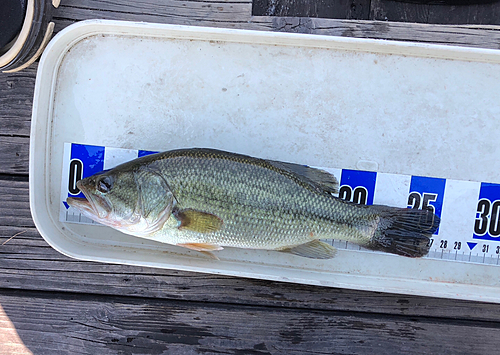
[313, 250]
[198, 221]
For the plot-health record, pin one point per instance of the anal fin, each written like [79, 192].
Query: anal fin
[313, 250]
[203, 248]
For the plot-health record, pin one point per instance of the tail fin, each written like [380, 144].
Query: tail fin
[404, 231]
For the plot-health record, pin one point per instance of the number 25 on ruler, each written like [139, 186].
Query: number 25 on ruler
[417, 200]
[422, 201]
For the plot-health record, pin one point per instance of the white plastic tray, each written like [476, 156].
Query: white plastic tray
[347, 103]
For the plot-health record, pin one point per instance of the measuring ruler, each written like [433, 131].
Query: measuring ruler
[469, 210]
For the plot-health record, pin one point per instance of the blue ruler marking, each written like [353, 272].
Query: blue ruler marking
[143, 153]
[487, 223]
[90, 158]
[358, 186]
[427, 193]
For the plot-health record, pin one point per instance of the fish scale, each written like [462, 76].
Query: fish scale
[288, 216]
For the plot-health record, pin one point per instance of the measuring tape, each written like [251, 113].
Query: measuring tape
[469, 211]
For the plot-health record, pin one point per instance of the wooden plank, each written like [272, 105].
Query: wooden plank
[177, 12]
[340, 9]
[190, 10]
[444, 12]
[14, 154]
[61, 324]
[16, 100]
[467, 36]
[14, 209]
[10, 342]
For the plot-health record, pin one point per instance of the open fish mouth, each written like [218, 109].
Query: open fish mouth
[91, 210]
[80, 203]
[92, 205]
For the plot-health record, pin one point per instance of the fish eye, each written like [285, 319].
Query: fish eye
[104, 184]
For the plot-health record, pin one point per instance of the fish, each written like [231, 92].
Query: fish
[206, 200]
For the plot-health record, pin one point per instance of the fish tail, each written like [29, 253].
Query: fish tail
[404, 231]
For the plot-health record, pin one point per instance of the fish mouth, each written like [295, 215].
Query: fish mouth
[89, 209]
[92, 206]
[83, 205]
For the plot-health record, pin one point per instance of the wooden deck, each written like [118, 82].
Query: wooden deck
[51, 304]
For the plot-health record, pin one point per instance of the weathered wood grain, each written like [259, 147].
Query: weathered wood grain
[220, 10]
[437, 12]
[61, 324]
[14, 206]
[467, 36]
[14, 154]
[339, 9]
[484, 12]
[200, 13]
[16, 101]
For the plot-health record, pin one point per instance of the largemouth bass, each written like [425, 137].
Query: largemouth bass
[205, 200]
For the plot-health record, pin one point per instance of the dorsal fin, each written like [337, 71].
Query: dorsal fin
[320, 178]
